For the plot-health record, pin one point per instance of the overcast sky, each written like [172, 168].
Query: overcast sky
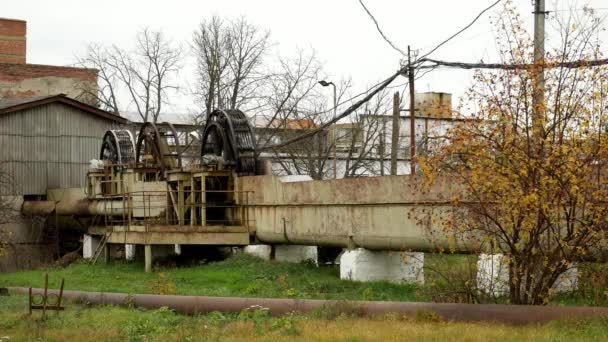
[342, 34]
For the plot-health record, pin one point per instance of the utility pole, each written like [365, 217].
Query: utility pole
[410, 76]
[538, 100]
[395, 134]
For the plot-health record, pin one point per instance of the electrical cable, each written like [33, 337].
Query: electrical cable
[380, 31]
[462, 30]
[344, 114]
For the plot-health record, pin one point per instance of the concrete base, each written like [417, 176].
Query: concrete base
[261, 251]
[296, 253]
[493, 276]
[89, 246]
[396, 267]
[129, 252]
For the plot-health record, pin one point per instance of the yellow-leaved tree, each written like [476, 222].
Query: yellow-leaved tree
[530, 180]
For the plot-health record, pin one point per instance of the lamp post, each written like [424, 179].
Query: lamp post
[333, 129]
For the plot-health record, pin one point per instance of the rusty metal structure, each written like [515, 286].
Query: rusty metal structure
[141, 193]
[43, 300]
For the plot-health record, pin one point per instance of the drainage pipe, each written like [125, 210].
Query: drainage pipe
[511, 314]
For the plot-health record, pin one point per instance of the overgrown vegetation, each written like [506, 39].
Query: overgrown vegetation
[526, 171]
[448, 278]
[120, 323]
[241, 275]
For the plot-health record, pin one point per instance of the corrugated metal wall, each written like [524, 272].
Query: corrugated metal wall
[49, 146]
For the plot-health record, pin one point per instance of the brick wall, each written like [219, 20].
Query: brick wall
[21, 80]
[12, 41]
[28, 80]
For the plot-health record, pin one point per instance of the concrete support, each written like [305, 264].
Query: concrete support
[396, 267]
[493, 276]
[148, 257]
[89, 246]
[129, 251]
[296, 253]
[177, 249]
[106, 253]
[261, 251]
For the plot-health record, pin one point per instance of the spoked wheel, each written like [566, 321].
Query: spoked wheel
[229, 135]
[118, 147]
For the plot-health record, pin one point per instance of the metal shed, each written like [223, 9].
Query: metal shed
[47, 142]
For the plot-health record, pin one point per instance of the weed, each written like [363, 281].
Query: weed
[257, 315]
[161, 285]
[427, 316]
[286, 324]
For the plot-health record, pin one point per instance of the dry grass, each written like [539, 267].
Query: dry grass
[79, 323]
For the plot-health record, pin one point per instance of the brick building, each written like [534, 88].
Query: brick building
[20, 80]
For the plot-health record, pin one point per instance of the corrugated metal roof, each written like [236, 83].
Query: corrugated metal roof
[13, 105]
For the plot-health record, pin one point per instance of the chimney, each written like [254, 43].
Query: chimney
[12, 41]
[433, 105]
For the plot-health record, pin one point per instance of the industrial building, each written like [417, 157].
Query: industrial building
[20, 80]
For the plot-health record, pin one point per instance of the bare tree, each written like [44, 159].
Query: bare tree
[147, 73]
[96, 56]
[230, 56]
[366, 143]
[8, 210]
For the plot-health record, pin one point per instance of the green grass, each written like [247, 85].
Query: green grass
[241, 275]
[105, 323]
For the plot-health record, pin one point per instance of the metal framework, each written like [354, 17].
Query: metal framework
[118, 147]
[229, 135]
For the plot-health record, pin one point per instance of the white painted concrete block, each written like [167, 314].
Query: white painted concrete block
[89, 246]
[177, 249]
[397, 267]
[567, 281]
[493, 276]
[296, 253]
[260, 251]
[129, 251]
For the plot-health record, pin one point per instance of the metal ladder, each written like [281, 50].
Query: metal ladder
[100, 247]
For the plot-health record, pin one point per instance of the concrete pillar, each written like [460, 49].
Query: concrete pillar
[261, 251]
[493, 276]
[177, 249]
[148, 257]
[89, 246]
[106, 253]
[396, 267]
[296, 253]
[129, 251]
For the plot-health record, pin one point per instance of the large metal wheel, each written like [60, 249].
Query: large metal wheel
[229, 135]
[153, 150]
[118, 147]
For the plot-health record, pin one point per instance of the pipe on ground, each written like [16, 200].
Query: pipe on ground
[511, 314]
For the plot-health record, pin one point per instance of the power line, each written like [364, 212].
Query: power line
[462, 30]
[344, 114]
[526, 66]
[379, 30]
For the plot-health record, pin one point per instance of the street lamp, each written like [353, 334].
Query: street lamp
[326, 84]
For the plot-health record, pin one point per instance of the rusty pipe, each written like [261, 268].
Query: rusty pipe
[511, 314]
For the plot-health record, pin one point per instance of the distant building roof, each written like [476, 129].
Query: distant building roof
[13, 105]
[293, 124]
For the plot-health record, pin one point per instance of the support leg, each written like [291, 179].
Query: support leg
[148, 257]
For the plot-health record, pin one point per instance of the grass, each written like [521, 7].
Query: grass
[241, 275]
[247, 276]
[119, 323]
